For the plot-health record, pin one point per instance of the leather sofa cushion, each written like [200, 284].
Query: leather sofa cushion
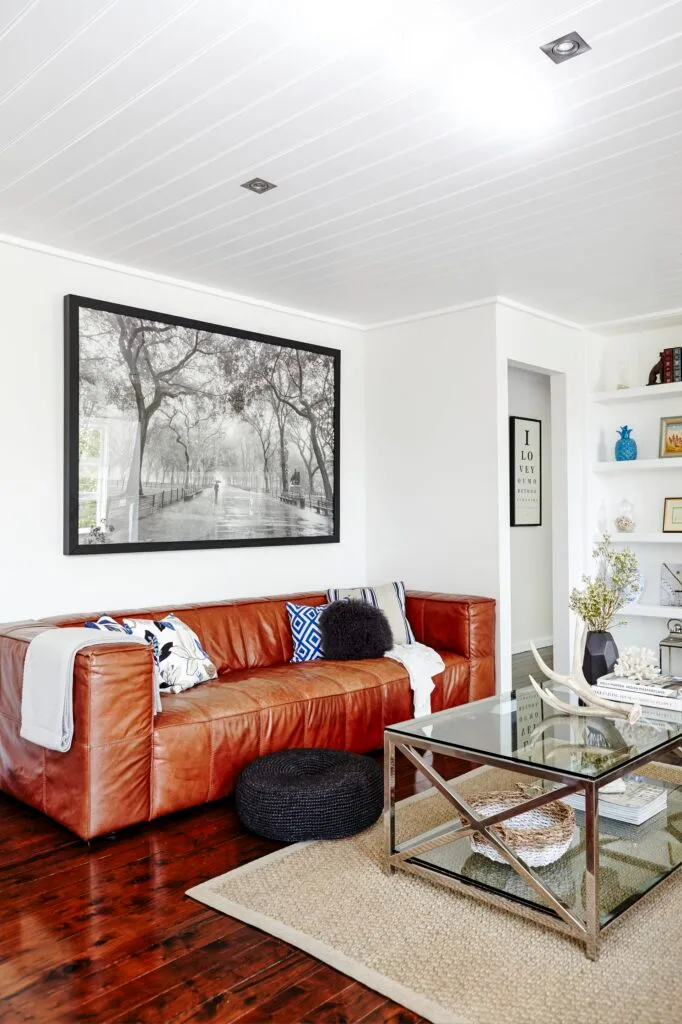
[205, 736]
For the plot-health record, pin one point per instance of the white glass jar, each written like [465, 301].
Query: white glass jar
[625, 520]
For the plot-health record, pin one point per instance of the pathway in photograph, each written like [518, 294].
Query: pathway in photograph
[237, 515]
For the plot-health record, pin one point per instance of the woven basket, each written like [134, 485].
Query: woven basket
[539, 837]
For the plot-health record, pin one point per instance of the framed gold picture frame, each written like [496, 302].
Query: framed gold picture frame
[670, 441]
[672, 515]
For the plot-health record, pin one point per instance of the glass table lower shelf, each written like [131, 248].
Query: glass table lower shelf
[633, 859]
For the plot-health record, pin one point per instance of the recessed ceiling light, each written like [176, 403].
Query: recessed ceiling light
[258, 185]
[565, 47]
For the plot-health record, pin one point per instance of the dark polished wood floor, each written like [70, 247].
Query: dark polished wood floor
[104, 932]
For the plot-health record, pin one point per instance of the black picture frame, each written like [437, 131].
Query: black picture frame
[514, 422]
[74, 543]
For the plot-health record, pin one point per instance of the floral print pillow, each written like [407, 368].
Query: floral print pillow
[182, 661]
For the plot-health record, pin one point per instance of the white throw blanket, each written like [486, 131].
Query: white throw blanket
[47, 694]
[422, 664]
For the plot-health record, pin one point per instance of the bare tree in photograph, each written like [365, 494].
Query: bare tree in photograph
[261, 419]
[151, 364]
[304, 381]
[300, 435]
[193, 426]
[282, 414]
[296, 381]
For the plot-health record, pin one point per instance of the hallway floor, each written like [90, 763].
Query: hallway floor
[523, 664]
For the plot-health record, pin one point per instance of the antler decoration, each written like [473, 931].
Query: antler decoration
[579, 685]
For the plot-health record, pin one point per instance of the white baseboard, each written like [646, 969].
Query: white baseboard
[524, 645]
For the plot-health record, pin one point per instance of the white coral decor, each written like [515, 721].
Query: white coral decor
[638, 664]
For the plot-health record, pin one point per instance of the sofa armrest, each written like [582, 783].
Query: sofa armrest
[103, 782]
[460, 624]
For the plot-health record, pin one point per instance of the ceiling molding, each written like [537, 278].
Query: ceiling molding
[120, 268]
[627, 325]
[429, 314]
[502, 300]
[645, 322]
[499, 300]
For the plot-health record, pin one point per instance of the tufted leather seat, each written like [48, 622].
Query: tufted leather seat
[241, 716]
[126, 765]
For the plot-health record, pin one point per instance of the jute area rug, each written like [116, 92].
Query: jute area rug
[447, 956]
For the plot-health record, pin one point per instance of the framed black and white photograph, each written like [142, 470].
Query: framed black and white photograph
[525, 471]
[184, 434]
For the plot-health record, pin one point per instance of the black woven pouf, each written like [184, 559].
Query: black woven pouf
[295, 795]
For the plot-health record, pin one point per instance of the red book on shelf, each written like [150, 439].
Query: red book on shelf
[668, 366]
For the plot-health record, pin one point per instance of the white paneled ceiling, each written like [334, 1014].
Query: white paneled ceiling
[426, 154]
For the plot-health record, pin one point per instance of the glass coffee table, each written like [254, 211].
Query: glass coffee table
[609, 866]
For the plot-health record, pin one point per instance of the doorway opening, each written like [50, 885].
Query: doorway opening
[531, 538]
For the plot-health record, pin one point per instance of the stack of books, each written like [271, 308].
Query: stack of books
[672, 365]
[640, 801]
[661, 700]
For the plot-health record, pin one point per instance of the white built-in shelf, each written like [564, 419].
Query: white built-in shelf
[643, 538]
[638, 465]
[654, 391]
[651, 611]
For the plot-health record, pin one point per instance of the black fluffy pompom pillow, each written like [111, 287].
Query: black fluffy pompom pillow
[354, 629]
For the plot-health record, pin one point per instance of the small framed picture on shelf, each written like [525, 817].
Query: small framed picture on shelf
[672, 515]
[670, 445]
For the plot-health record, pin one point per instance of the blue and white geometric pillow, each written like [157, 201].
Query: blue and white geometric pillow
[182, 661]
[304, 620]
[390, 598]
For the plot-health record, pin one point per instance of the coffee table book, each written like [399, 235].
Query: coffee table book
[640, 801]
[662, 694]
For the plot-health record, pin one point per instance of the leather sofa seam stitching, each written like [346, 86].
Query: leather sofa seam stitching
[381, 685]
[285, 703]
[210, 761]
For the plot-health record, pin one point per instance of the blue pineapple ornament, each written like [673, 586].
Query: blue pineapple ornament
[626, 446]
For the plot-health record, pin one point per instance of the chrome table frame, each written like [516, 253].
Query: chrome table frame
[400, 856]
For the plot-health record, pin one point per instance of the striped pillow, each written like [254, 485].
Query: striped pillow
[390, 597]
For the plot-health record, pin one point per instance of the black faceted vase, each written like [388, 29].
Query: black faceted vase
[601, 654]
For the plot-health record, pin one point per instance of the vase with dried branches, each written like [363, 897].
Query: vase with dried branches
[616, 582]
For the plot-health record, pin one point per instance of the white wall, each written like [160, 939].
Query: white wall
[531, 546]
[437, 455]
[531, 341]
[35, 577]
[431, 467]
[424, 462]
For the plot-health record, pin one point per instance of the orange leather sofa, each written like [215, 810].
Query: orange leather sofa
[127, 766]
